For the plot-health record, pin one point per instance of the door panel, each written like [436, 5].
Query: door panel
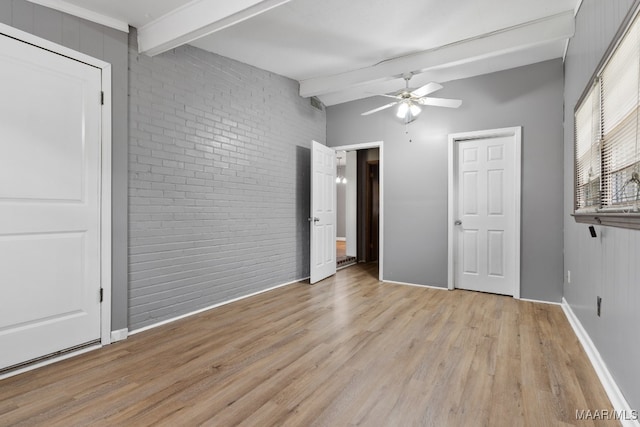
[470, 253]
[486, 206]
[496, 253]
[495, 182]
[49, 202]
[323, 212]
[470, 192]
[58, 155]
[20, 253]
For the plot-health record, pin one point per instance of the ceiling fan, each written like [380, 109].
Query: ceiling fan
[409, 102]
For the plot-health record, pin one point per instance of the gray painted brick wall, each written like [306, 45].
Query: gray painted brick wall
[218, 181]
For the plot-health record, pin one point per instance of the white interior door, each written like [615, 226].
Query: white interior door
[49, 202]
[323, 212]
[486, 225]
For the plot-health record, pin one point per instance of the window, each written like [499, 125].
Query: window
[607, 135]
[587, 134]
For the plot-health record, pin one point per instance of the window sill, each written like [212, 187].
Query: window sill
[620, 220]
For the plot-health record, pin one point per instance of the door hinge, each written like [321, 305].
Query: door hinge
[101, 294]
[101, 98]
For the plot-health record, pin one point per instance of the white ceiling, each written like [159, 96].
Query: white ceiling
[344, 50]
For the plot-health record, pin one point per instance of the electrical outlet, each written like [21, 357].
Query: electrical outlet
[568, 276]
[599, 305]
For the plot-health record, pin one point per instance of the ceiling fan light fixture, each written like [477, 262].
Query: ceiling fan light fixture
[410, 102]
[403, 109]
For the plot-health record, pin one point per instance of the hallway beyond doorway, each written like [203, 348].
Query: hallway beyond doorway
[342, 260]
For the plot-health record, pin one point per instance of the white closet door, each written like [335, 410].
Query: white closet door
[49, 202]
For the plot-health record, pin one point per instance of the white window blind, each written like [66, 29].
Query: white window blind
[607, 127]
[620, 101]
[587, 135]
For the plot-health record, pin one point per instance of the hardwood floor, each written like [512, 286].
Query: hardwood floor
[346, 351]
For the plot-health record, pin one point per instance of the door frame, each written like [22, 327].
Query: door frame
[105, 163]
[453, 141]
[365, 146]
[369, 210]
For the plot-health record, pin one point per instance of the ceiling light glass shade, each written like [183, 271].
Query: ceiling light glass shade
[337, 180]
[408, 111]
[412, 113]
[344, 180]
[403, 109]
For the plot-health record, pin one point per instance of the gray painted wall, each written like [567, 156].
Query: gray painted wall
[111, 46]
[606, 266]
[219, 181]
[415, 171]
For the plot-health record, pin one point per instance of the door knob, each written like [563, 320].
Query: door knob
[314, 219]
[458, 222]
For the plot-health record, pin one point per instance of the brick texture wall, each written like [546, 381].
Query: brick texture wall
[218, 181]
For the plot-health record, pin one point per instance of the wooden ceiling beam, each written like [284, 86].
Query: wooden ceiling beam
[197, 19]
[513, 39]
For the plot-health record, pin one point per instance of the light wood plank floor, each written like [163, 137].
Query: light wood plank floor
[346, 351]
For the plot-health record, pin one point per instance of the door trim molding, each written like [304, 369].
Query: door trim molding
[365, 146]
[454, 139]
[105, 163]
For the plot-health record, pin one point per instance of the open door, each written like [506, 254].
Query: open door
[323, 212]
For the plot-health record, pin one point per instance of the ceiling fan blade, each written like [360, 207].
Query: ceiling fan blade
[440, 102]
[389, 96]
[386, 95]
[426, 89]
[375, 110]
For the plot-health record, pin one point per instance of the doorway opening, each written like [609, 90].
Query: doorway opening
[359, 224]
[346, 181]
[323, 208]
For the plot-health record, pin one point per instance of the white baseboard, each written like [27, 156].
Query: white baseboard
[173, 319]
[538, 301]
[341, 239]
[618, 401]
[392, 282]
[119, 335]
